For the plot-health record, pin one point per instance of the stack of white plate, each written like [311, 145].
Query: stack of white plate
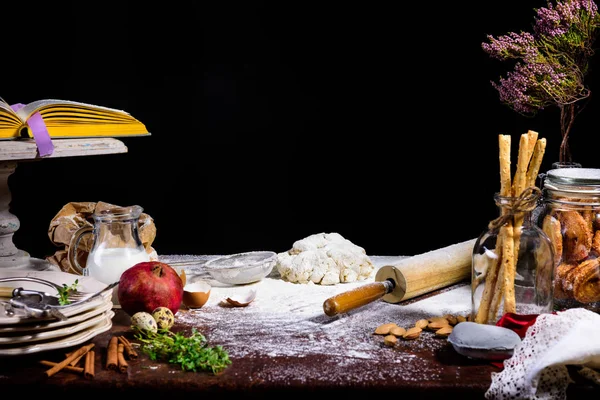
[22, 334]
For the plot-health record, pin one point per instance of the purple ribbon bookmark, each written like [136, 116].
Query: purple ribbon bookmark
[39, 131]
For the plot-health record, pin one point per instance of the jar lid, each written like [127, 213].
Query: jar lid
[573, 176]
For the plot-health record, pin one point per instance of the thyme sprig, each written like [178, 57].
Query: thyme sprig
[63, 293]
[191, 352]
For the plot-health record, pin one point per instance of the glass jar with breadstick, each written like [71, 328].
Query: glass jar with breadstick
[513, 260]
[571, 218]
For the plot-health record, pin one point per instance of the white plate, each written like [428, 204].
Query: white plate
[86, 284]
[52, 324]
[66, 341]
[54, 333]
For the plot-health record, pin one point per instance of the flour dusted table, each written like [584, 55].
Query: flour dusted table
[283, 345]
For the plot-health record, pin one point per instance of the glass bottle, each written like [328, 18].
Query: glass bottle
[512, 265]
[116, 245]
[571, 218]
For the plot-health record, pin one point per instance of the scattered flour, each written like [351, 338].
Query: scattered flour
[287, 320]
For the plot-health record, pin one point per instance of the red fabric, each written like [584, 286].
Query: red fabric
[517, 323]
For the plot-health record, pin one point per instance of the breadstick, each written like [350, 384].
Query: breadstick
[526, 147]
[533, 137]
[505, 183]
[490, 283]
[536, 161]
[504, 142]
[519, 180]
[507, 265]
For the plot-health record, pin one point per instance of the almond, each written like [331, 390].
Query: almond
[435, 325]
[412, 333]
[444, 332]
[397, 331]
[384, 329]
[390, 340]
[452, 320]
[437, 319]
[422, 323]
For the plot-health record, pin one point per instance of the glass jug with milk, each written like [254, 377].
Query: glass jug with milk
[116, 245]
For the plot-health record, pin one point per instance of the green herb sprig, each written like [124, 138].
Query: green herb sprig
[63, 293]
[191, 352]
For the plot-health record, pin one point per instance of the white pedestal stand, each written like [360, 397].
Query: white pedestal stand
[13, 151]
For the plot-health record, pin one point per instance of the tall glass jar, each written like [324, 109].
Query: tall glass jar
[571, 218]
[512, 263]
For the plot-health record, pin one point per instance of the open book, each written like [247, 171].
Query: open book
[66, 119]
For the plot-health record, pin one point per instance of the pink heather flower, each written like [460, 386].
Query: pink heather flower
[557, 20]
[513, 45]
[551, 63]
[533, 86]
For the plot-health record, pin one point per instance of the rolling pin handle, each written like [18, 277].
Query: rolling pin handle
[7, 292]
[363, 295]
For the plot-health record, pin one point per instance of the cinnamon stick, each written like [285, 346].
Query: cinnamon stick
[69, 368]
[121, 359]
[81, 351]
[89, 369]
[112, 356]
[129, 350]
[75, 361]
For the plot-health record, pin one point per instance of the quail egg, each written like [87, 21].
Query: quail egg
[144, 321]
[164, 317]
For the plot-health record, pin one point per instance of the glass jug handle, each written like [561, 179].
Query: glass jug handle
[74, 244]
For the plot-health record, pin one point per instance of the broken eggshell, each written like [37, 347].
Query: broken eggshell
[482, 341]
[242, 299]
[196, 294]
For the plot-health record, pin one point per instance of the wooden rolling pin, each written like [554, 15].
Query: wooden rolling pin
[6, 291]
[408, 278]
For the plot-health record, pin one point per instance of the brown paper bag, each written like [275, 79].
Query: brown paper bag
[76, 215]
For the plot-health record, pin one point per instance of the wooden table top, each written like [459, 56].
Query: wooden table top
[282, 345]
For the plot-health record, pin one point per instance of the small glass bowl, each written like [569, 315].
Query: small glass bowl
[241, 268]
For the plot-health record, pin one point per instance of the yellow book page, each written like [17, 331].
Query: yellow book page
[68, 117]
[96, 130]
[9, 121]
[75, 111]
[40, 105]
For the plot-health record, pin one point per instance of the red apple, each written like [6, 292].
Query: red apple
[148, 285]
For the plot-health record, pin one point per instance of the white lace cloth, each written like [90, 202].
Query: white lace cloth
[537, 368]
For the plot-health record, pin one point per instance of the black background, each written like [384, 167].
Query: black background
[272, 121]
